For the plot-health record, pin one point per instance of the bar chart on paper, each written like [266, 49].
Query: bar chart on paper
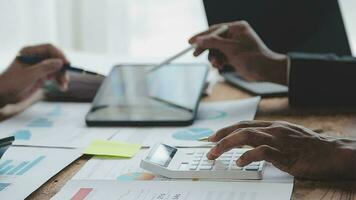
[47, 120]
[18, 168]
[24, 169]
[41, 123]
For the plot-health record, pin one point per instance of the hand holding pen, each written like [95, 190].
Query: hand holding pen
[21, 80]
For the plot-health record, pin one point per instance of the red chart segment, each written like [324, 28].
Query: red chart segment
[82, 194]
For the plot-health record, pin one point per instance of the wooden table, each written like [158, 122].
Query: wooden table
[270, 109]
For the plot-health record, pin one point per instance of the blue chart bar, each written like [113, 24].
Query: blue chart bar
[41, 123]
[3, 186]
[6, 162]
[30, 165]
[9, 167]
[17, 168]
[6, 169]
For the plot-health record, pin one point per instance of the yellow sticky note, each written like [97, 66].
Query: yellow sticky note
[112, 148]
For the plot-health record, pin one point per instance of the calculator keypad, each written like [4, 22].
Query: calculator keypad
[226, 161]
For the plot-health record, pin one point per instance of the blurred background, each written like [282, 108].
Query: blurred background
[133, 28]
[124, 27]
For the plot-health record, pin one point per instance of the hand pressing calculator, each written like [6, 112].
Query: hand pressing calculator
[188, 163]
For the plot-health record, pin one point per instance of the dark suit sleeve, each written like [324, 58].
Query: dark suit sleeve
[322, 80]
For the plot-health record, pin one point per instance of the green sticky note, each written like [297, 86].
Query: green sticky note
[112, 148]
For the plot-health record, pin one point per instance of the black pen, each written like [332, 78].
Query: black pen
[32, 60]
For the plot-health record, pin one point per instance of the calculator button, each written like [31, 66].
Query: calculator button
[220, 166]
[225, 157]
[183, 167]
[195, 162]
[251, 168]
[206, 167]
[198, 157]
[228, 154]
[207, 162]
[225, 164]
[190, 153]
[255, 164]
[193, 167]
[235, 167]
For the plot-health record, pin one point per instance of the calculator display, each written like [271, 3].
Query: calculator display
[162, 155]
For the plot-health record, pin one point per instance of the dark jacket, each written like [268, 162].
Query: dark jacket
[322, 80]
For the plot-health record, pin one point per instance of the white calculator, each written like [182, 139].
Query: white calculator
[190, 163]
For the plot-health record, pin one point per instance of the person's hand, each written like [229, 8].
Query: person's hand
[21, 80]
[291, 148]
[243, 49]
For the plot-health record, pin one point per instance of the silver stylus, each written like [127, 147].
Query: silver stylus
[218, 31]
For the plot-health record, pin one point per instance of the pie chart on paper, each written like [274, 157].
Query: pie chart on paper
[193, 134]
[23, 135]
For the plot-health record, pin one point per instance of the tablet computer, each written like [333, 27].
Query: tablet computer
[264, 89]
[133, 95]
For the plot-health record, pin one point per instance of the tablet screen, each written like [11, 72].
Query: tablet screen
[134, 93]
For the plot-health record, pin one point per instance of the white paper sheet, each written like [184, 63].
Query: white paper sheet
[25, 169]
[156, 190]
[211, 117]
[54, 125]
[99, 168]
